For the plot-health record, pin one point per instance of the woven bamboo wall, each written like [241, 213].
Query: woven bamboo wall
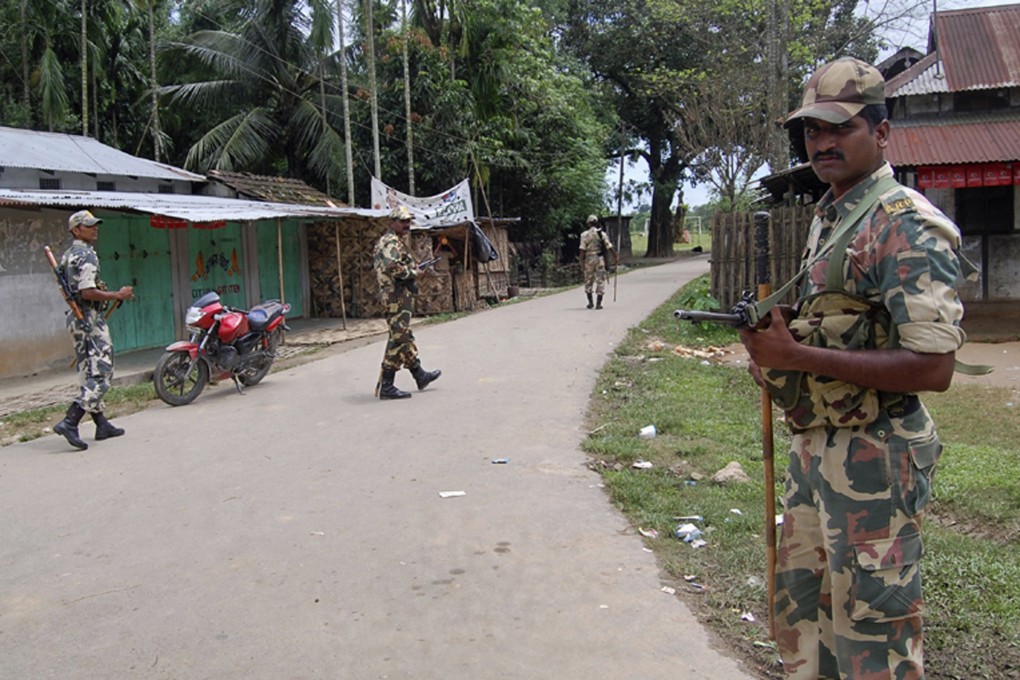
[448, 286]
[733, 251]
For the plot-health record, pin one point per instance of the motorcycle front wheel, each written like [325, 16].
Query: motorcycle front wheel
[258, 371]
[177, 380]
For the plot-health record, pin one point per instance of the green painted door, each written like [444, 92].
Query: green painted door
[269, 240]
[132, 253]
[216, 262]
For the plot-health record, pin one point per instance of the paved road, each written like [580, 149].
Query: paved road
[298, 531]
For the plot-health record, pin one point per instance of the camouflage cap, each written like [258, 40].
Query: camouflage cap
[401, 212]
[839, 90]
[592, 219]
[82, 218]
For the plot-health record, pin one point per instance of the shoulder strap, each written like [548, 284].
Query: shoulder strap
[840, 236]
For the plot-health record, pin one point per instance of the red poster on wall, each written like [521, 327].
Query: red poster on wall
[958, 176]
[975, 178]
[1016, 173]
[942, 177]
[992, 172]
[926, 177]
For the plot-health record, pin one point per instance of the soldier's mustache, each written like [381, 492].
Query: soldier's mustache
[828, 155]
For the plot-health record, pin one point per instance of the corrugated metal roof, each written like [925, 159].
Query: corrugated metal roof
[976, 141]
[980, 47]
[192, 208]
[927, 76]
[72, 153]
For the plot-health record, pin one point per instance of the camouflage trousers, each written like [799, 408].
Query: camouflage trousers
[848, 582]
[594, 274]
[400, 350]
[93, 350]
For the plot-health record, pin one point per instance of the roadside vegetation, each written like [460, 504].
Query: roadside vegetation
[707, 414]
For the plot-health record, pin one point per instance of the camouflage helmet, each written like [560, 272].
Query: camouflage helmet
[401, 212]
[839, 91]
[592, 219]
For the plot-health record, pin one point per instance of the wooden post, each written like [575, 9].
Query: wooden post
[279, 255]
[340, 275]
[761, 246]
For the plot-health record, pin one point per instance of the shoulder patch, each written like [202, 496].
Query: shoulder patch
[897, 205]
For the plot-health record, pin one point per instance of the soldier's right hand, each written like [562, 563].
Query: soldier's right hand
[126, 293]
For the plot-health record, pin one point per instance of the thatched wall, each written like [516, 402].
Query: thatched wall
[455, 283]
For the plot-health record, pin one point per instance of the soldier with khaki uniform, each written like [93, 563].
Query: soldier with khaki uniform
[397, 272]
[877, 321]
[93, 347]
[595, 248]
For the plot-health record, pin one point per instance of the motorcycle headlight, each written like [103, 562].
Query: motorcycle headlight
[192, 316]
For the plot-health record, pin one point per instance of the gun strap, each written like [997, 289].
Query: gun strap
[839, 237]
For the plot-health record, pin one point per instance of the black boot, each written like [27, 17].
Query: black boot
[104, 428]
[423, 377]
[598, 303]
[68, 427]
[387, 390]
[590, 305]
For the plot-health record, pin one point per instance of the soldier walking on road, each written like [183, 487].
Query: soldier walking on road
[595, 248]
[877, 321]
[93, 347]
[397, 272]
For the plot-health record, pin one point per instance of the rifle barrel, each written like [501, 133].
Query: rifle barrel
[694, 316]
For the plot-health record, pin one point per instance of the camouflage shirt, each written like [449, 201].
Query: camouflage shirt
[81, 266]
[590, 242]
[903, 256]
[392, 261]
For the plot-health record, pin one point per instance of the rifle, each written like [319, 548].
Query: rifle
[65, 287]
[743, 315]
[422, 266]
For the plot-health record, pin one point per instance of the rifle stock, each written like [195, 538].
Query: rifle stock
[65, 288]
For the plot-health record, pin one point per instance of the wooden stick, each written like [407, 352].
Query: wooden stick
[761, 241]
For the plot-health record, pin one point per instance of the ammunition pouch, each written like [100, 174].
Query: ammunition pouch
[837, 320]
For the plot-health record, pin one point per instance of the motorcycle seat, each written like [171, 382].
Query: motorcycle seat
[264, 313]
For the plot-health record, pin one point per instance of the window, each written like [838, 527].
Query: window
[49, 183]
[985, 210]
[106, 186]
[166, 188]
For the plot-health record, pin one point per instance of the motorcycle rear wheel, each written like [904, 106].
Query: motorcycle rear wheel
[254, 375]
[177, 380]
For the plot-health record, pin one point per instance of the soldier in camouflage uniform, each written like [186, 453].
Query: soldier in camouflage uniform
[93, 347]
[397, 272]
[846, 365]
[595, 247]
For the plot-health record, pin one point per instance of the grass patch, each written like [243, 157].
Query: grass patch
[708, 415]
[27, 425]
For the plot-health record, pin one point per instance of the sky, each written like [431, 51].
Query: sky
[913, 34]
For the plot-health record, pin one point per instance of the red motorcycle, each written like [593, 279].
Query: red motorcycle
[224, 343]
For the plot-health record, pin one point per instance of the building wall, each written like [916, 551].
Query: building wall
[168, 266]
[32, 334]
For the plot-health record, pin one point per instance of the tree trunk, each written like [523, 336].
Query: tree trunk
[660, 225]
[348, 151]
[157, 133]
[407, 102]
[370, 52]
[26, 96]
[84, 74]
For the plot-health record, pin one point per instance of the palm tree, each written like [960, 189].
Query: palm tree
[261, 85]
